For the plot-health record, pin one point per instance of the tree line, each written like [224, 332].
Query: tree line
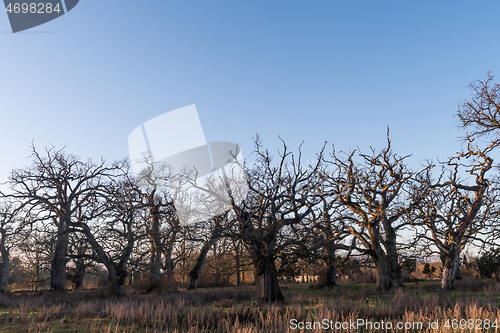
[69, 214]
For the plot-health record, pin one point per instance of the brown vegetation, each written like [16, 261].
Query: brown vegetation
[234, 309]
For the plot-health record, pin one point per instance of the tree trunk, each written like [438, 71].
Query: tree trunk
[37, 271]
[118, 279]
[450, 266]
[195, 273]
[394, 269]
[79, 269]
[448, 279]
[79, 275]
[217, 267]
[458, 273]
[168, 249]
[58, 272]
[169, 265]
[238, 264]
[117, 272]
[118, 289]
[382, 274]
[155, 240]
[380, 259]
[5, 265]
[4, 270]
[331, 266]
[267, 280]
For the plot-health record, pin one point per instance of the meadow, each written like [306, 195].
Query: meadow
[234, 310]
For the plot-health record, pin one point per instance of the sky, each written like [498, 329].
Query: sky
[312, 71]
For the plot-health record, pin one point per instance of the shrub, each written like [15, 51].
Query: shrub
[409, 265]
[488, 264]
[428, 270]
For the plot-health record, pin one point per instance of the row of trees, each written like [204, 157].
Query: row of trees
[347, 203]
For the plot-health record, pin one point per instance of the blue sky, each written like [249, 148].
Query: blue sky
[310, 71]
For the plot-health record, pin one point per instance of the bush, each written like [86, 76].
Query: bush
[428, 270]
[350, 267]
[488, 264]
[409, 265]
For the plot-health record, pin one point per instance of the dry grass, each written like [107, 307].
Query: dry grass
[232, 310]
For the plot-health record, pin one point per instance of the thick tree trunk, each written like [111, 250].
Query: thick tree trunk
[37, 271]
[394, 269]
[458, 273]
[118, 289]
[331, 266]
[267, 280]
[168, 249]
[117, 272]
[448, 279]
[331, 275]
[4, 270]
[195, 273]
[217, 266]
[388, 273]
[156, 249]
[79, 275]
[380, 259]
[382, 273]
[169, 265]
[118, 278]
[58, 272]
[395, 275]
[450, 266]
[5, 265]
[238, 264]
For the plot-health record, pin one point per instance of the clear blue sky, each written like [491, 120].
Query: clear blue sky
[336, 71]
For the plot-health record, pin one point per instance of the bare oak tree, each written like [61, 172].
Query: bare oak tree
[112, 229]
[376, 193]
[12, 220]
[279, 198]
[455, 213]
[329, 228]
[56, 187]
[214, 230]
[152, 179]
[481, 115]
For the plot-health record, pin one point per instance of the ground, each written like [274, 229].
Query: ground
[235, 309]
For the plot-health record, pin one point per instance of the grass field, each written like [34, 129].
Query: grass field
[234, 310]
